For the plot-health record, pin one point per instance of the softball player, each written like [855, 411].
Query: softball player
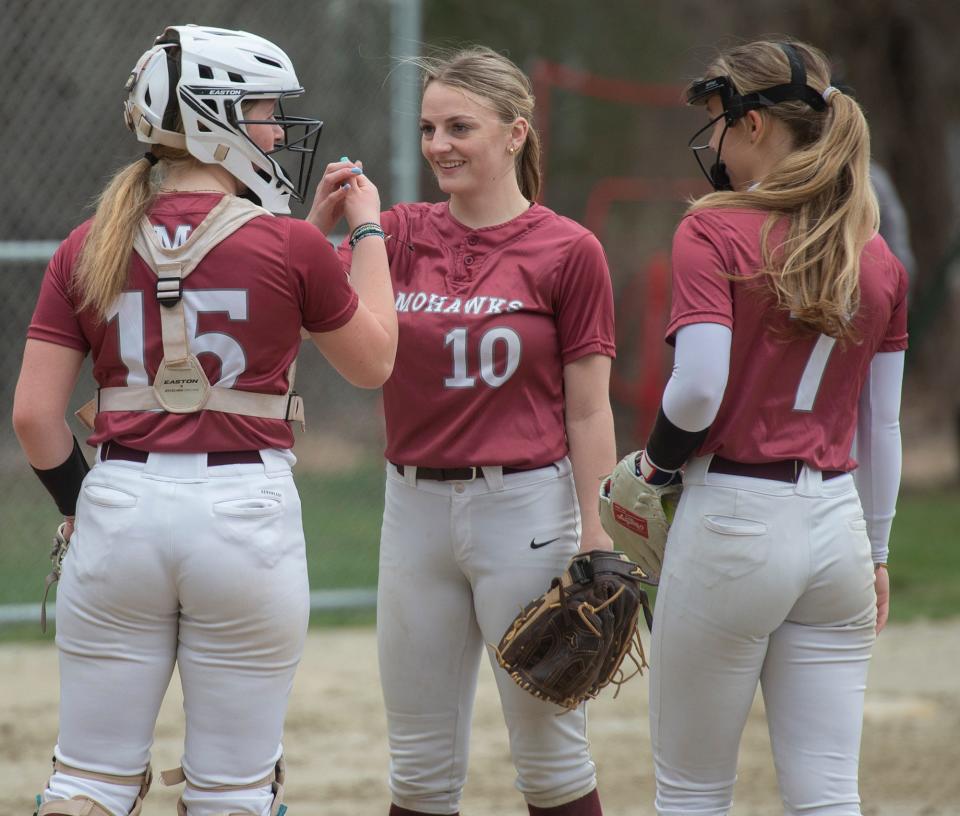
[498, 421]
[188, 545]
[787, 343]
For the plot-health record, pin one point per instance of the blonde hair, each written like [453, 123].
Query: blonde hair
[822, 188]
[494, 78]
[103, 265]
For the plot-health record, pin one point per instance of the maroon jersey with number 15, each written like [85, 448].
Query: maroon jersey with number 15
[244, 305]
[786, 397]
[488, 318]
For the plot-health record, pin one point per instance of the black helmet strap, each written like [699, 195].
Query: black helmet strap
[736, 106]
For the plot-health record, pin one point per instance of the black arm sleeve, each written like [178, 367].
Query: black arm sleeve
[63, 482]
[669, 447]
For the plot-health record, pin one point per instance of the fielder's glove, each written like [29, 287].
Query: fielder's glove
[60, 545]
[569, 643]
[637, 502]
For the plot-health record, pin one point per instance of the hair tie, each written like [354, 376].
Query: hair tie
[151, 158]
[828, 92]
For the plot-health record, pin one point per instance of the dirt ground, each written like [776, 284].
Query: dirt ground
[336, 743]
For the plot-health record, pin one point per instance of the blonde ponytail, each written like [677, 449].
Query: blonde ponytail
[104, 262]
[821, 189]
[528, 169]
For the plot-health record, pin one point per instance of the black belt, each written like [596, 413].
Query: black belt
[783, 470]
[461, 474]
[114, 450]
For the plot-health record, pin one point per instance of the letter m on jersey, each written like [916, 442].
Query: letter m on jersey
[180, 235]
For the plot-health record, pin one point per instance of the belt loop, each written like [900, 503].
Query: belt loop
[277, 461]
[410, 475]
[696, 469]
[808, 482]
[493, 476]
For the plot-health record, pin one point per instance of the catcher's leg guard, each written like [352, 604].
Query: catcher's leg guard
[275, 779]
[87, 806]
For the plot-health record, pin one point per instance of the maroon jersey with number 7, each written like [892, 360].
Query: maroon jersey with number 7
[787, 397]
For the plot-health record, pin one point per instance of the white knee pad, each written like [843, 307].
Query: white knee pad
[275, 779]
[86, 805]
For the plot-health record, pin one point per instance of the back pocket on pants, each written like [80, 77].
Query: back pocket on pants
[729, 547]
[255, 524]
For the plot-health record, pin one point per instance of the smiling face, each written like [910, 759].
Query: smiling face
[465, 142]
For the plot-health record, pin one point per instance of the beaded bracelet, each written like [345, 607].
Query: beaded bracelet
[364, 230]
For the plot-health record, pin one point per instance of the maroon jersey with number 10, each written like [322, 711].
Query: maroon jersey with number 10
[786, 397]
[488, 318]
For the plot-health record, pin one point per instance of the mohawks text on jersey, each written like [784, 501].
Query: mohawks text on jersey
[445, 304]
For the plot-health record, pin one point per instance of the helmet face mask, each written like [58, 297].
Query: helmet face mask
[716, 173]
[202, 76]
[300, 136]
[736, 106]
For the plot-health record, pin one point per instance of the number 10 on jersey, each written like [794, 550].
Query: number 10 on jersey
[457, 338]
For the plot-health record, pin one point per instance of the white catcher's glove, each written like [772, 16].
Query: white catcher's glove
[636, 511]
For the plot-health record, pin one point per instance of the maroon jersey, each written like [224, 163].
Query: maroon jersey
[244, 305]
[488, 318]
[786, 398]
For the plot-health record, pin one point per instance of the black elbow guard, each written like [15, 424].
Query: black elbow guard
[669, 446]
[63, 482]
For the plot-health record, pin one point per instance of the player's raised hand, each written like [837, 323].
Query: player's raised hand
[362, 202]
[328, 200]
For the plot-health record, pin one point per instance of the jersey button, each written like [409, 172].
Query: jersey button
[468, 260]
[473, 240]
[459, 487]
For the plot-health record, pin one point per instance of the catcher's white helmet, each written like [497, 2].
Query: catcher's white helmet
[200, 76]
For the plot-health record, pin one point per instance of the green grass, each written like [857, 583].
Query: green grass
[341, 521]
[925, 556]
[342, 516]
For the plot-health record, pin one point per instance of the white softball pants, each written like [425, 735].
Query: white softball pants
[456, 566]
[175, 562]
[765, 582]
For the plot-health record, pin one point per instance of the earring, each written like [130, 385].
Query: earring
[511, 150]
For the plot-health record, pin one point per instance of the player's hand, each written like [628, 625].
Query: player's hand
[362, 202]
[881, 583]
[328, 200]
[68, 524]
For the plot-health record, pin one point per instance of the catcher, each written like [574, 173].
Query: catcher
[568, 644]
[188, 544]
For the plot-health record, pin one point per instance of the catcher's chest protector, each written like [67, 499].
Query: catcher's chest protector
[180, 385]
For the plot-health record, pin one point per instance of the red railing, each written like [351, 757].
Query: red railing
[643, 303]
